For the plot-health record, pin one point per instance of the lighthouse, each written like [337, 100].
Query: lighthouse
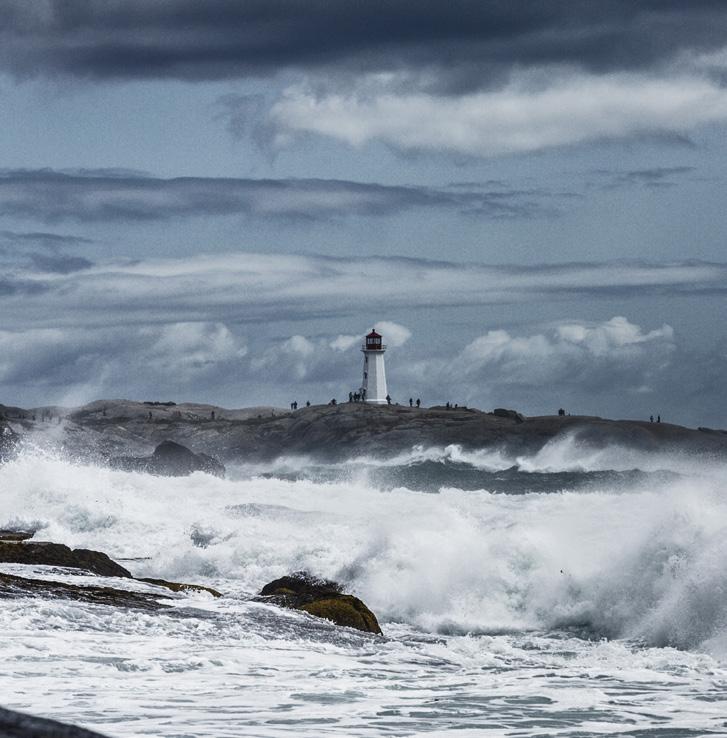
[373, 388]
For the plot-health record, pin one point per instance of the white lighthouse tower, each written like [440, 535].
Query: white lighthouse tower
[373, 388]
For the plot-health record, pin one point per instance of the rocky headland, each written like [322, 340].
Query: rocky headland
[109, 429]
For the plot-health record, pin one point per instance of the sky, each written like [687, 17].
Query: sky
[215, 201]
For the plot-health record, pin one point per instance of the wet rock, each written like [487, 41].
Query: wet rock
[179, 587]
[12, 586]
[19, 725]
[17, 551]
[170, 459]
[57, 554]
[322, 598]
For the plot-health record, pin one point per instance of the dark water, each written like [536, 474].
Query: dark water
[431, 476]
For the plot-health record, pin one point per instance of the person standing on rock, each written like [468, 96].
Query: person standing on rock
[388, 399]
[411, 402]
[419, 402]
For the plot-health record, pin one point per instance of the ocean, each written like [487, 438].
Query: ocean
[570, 593]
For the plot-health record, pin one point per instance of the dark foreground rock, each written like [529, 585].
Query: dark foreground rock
[40, 553]
[321, 598]
[56, 554]
[18, 725]
[170, 459]
[12, 586]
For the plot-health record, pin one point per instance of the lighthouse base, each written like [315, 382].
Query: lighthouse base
[376, 402]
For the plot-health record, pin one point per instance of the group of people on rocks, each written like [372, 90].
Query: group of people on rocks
[360, 396]
[658, 418]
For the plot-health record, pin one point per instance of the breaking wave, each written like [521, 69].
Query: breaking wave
[627, 558]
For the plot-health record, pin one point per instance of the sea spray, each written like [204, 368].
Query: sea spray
[641, 562]
[575, 590]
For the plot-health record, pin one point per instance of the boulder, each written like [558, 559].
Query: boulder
[19, 725]
[170, 459]
[502, 412]
[322, 598]
[56, 554]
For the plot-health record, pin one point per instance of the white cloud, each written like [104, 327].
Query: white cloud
[614, 353]
[525, 115]
[394, 335]
[344, 342]
[190, 349]
[322, 360]
[83, 361]
[290, 360]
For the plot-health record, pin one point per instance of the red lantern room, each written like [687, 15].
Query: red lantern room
[373, 341]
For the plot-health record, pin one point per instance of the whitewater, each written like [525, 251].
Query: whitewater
[570, 593]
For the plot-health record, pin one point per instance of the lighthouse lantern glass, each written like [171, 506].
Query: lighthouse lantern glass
[373, 341]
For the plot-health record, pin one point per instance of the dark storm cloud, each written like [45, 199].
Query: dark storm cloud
[470, 41]
[59, 263]
[41, 239]
[654, 177]
[11, 287]
[88, 196]
[18, 251]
